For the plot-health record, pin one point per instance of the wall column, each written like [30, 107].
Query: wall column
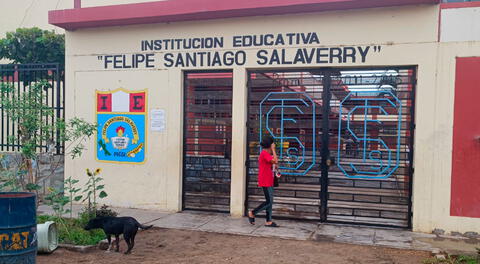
[239, 142]
[175, 138]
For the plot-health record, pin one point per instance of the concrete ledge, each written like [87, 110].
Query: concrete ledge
[81, 249]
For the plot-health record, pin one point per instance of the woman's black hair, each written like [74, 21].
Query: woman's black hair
[266, 142]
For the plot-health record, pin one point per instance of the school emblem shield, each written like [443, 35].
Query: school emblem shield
[121, 123]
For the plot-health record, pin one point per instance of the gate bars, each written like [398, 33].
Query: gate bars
[207, 141]
[346, 156]
[21, 76]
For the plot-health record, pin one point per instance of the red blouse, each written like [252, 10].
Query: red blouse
[265, 173]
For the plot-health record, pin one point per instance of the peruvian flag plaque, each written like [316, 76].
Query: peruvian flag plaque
[121, 119]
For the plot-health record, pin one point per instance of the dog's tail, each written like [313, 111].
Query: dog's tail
[144, 227]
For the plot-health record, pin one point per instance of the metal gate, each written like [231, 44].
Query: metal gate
[345, 143]
[207, 141]
[21, 77]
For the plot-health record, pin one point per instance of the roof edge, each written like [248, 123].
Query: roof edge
[192, 10]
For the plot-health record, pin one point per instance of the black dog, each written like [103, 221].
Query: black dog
[116, 226]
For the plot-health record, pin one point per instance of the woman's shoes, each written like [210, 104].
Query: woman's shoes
[251, 220]
[273, 224]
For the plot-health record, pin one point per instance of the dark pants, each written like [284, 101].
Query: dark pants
[267, 205]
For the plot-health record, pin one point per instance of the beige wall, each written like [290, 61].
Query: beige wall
[432, 192]
[408, 36]
[34, 13]
[460, 24]
[140, 186]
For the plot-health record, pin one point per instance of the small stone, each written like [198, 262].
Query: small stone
[437, 231]
[435, 252]
[454, 233]
[440, 257]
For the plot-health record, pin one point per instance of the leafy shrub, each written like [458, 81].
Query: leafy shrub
[72, 231]
[33, 45]
[462, 259]
[105, 211]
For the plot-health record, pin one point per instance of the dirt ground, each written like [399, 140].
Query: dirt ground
[181, 246]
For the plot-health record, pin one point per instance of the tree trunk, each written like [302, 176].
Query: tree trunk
[31, 178]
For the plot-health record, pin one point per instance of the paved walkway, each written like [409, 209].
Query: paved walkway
[299, 230]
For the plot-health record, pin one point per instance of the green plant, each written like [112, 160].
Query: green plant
[72, 231]
[29, 110]
[57, 200]
[76, 132]
[461, 259]
[33, 45]
[9, 182]
[8, 177]
[467, 259]
[72, 192]
[92, 188]
[105, 211]
[89, 213]
[86, 215]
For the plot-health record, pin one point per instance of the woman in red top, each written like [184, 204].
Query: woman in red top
[267, 158]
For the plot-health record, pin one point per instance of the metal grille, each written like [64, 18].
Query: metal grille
[287, 106]
[207, 141]
[21, 77]
[344, 141]
[370, 181]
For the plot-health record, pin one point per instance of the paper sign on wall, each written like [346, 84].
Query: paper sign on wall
[157, 120]
[121, 119]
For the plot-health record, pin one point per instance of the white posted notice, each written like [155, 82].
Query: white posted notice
[157, 120]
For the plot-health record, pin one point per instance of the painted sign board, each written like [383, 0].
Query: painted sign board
[121, 120]
[299, 48]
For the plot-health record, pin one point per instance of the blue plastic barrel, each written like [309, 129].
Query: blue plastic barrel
[18, 228]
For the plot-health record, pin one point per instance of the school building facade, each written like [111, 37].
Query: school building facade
[372, 105]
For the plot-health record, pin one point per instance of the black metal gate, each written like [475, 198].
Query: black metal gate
[207, 141]
[345, 142]
[21, 77]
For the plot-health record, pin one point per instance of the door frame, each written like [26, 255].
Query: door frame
[184, 130]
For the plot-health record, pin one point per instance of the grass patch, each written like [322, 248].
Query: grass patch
[453, 260]
[71, 230]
